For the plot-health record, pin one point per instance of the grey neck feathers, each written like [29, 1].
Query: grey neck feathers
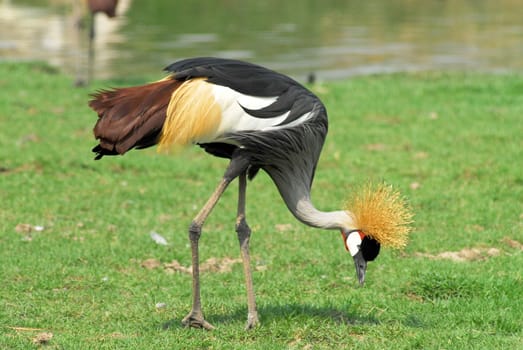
[308, 214]
[295, 191]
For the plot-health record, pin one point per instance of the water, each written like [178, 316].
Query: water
[333, 39]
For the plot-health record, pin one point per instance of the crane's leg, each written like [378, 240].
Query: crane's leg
[244, 234]
[195, 318]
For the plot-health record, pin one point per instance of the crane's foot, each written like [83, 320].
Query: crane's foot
[252, 321]
[196, 320]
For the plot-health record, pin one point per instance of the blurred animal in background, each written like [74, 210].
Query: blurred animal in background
[100, 6]
[93, 7]
[260, 120]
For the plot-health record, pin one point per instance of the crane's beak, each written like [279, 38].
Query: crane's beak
[361, 266]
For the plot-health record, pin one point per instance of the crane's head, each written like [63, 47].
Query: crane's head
[362, 248]
[382, 217]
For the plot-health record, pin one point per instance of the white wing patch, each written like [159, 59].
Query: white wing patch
[255, 102]
[234, 118]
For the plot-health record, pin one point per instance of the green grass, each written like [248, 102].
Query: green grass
[451, 143]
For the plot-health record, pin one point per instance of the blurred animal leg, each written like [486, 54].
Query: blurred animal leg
[90, 49]
[244, 234]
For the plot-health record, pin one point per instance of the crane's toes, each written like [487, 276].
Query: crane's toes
[196, 321]
[252, 321]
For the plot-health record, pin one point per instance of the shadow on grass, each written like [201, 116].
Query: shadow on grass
[274, 313]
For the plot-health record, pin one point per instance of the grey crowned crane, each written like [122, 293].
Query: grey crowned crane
[259, 119]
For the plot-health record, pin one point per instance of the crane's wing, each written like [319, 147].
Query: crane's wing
[285, 94]
[248, 97]
[203, 100]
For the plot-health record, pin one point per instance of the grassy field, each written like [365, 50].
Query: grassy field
[78, 263]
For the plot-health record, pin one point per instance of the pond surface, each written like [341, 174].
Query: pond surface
[334, 39]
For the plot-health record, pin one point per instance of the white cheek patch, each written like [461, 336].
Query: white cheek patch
[353, 242]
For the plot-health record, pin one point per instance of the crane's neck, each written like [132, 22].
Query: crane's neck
[304, 210]
[293, 160]
[295, 191]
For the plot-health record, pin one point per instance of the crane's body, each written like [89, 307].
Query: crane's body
[226, 107]
[258, 118]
